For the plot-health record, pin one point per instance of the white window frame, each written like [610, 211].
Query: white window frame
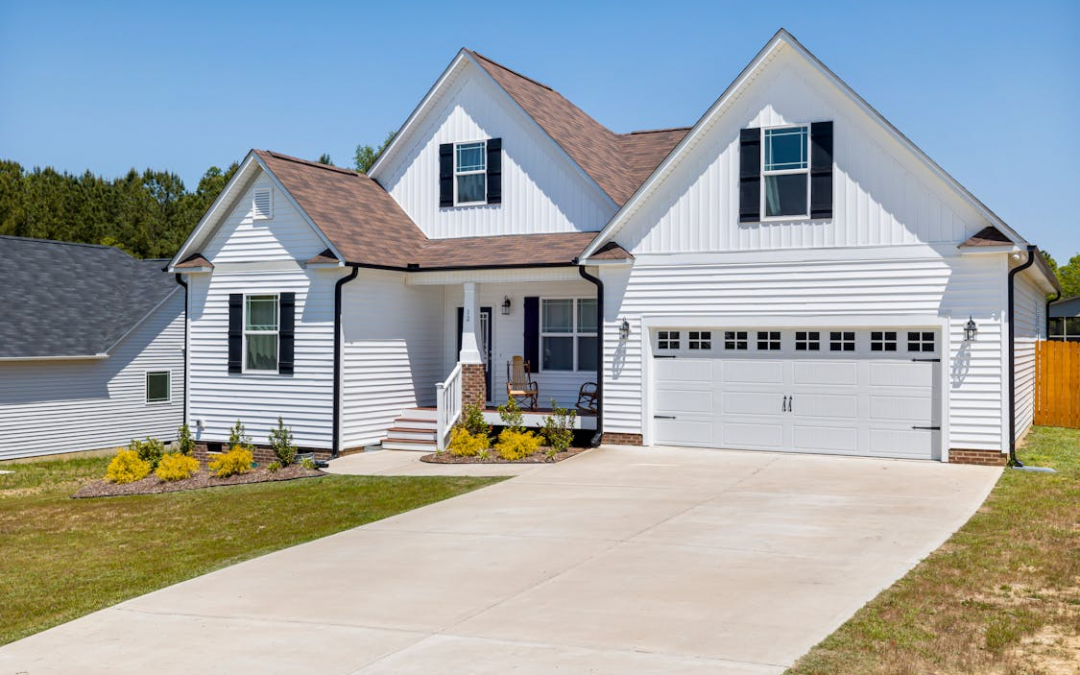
[843, 341]
[254, 211]
[884, 341]
[920, 341]
[808, 343]
[146, 386]
[785, 172]
[483, 144]
[574, 335]
[699, 340]
[668, 340]
[276, 332]
[769, 340]
[738, 337]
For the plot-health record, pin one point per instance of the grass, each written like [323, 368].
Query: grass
[1002, 596]
[63, 558]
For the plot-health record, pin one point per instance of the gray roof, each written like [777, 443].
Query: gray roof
[60, 299]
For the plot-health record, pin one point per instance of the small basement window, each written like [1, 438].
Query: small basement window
[883, 341]
[768, 341]
[667, 339]
[735, 340]
[786, 172]
[157, 386]
[700, 339]
[470, 173]
[842, 341]
[262, 204]
[920, 341]
[807, 341]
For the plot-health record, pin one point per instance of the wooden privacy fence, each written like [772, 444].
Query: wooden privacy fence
[1057, 383]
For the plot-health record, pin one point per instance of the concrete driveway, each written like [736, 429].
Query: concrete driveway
[622, 560]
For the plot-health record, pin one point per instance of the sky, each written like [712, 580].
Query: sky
[990, 90]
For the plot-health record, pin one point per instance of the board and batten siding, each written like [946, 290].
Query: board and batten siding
[263, 257]
[542, 191]
[734, 293]
[391, 352]
[883, 195]
[57, 406]
[1029, 326]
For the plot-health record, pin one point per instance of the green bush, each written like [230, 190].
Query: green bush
[236, 461]
[308, 463]
[465, 444]
[472, 419]
[238, 436]
[273, 467]
[185, 444]
[126, 467]
[558, 427]
[176, 466]
[149, 450]
[281, 441]
[511, 415]
[514, 445]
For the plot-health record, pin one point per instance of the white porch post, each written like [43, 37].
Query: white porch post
[470, 346]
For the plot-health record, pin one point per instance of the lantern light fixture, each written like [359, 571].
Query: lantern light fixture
[624, 330]
[970, 330]
[506, 304]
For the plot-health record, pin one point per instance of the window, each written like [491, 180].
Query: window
[807, 341]
[470, 173]
[1065, 328]
[700, 339]
[768, 341]
[842, 341]
[667, 339]
[883, 341]
[786, 172]
[262, 204]
[568, 334]
[735, 340]
[157, 387]
[920, 341]
[261, 332]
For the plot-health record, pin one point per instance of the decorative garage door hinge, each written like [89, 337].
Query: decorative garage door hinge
[927, 360]
[928, 428]
[663, 417]
[664, 356]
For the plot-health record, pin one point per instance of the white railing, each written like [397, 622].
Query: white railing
[448, 406]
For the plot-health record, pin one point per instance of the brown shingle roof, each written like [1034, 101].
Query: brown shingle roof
[619, 163]
[988, 236]
[514, 250]
[193, 260]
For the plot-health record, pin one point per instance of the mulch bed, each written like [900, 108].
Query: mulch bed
[152, 485]
[539, 457]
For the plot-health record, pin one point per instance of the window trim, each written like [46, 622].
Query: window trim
[146, 386]
[703, 340]
[244, 337]
[769, 340]
[669, 336]
[483, 171]
[784, 172]
[573, 335]
[736, 340]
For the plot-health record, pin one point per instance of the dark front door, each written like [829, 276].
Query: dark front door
[485, 342]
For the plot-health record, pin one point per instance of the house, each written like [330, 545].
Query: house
[791, 273]
[1065, 319]
[91, 348]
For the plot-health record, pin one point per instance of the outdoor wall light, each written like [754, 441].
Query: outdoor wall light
[506, 304]
[970, 330]
[624, 330]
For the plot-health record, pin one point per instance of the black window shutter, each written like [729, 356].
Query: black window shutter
[236, 332]
[532, 333]
[821, 170]
[494, 171]
[446, 174]
[750, 175]
[286, 332]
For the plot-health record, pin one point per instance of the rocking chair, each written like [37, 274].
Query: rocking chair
[586, 398]
[519, 383]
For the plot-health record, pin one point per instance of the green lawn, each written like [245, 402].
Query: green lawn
[1001, 597]
[62, 557]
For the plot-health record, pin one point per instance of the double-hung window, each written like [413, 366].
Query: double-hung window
[261, 323]
[470, 173]
[568, 334]
[786, 172]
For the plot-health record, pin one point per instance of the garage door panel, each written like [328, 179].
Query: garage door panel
[826, 373]
[909, 409]
[686, 432]
[681, 400]
[901, 374]
[754, 436]
[752, 403]
[904, 443]
[824, 438]
[683, 371]
[827, 406]
[753, 372]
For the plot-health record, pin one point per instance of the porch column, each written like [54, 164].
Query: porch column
[473, 381]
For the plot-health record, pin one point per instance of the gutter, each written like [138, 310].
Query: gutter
[1046, 314]
[180, 280]
[1032, 252]
[336, 448]
[599, 353]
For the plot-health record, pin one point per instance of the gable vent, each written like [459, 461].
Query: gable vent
[262, 204]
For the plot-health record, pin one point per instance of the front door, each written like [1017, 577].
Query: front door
[485, 341]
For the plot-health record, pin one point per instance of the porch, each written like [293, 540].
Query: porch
[418, 428]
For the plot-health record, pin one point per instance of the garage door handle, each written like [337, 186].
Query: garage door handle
[663, 417]
[791, 403]
[783, 406]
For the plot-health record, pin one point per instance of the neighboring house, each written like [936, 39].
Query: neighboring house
[91, 348]
[1065, 319]
[791, 273]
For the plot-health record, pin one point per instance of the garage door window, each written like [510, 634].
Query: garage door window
[768, 341]
[807, 341]
[700, 339]
[735, 340]
[920, 341]
[883, 341]
[568, 333]
[667, 339]
[842, 341]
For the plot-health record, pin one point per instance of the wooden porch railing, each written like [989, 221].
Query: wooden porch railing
[448, 406]
[1057, 383]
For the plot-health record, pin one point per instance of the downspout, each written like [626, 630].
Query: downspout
[180, 280]
[336, 448]
[599, 353]
[1013, 461]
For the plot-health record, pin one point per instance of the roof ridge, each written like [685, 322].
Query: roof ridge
[511, 70]
[656, 131]
[314, 165]
[67, 243]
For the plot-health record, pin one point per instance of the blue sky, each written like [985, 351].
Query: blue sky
[990, 90]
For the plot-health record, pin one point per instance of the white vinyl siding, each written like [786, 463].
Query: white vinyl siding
[1029, 327]
[50, 407]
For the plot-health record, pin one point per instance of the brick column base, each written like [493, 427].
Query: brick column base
[621, 439]
[262, 454]
[982, 457]
[473, 384]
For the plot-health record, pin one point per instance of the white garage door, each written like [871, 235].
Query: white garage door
[844, 391]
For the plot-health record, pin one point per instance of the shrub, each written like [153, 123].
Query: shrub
[465, 444]
[511, 415]
[176, 466]
[281, 441]
[126, 467]
[273, 467]
[514, 445]
[238, 436]
[472, 419]
[559, 427]
[484, 455]
[236, 461]
[185, 444]
[149, 450]
[308, 463]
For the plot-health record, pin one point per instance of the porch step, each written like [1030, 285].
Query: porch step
[415, 423]
[411, 434]
[391, 443]
[420, 414]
